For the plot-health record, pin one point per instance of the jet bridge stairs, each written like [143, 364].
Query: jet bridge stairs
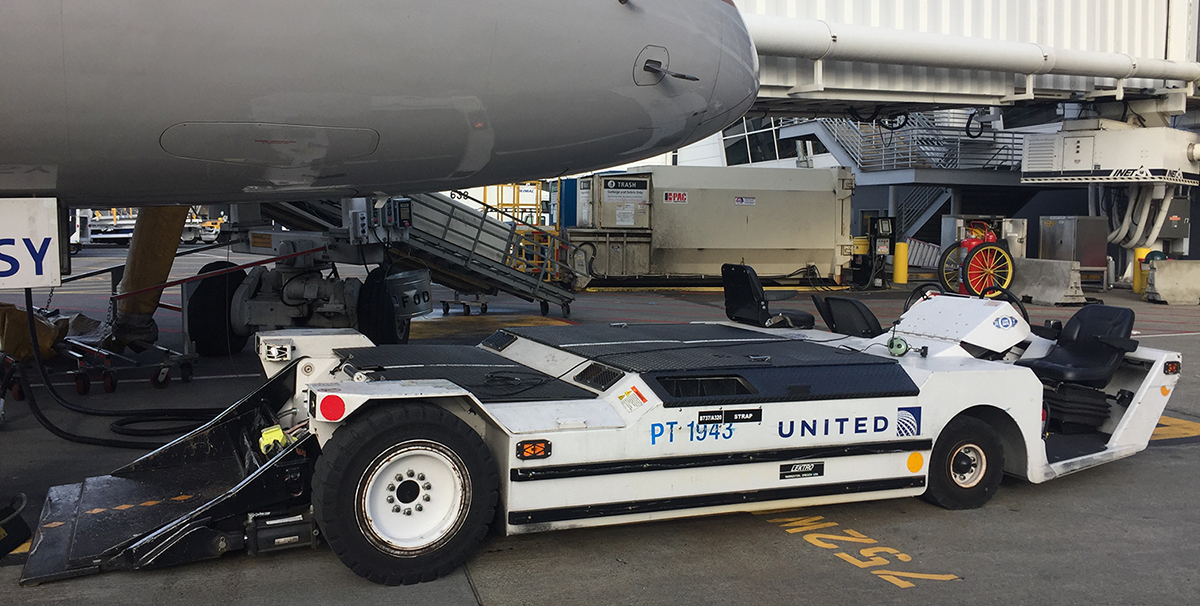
[465, 249]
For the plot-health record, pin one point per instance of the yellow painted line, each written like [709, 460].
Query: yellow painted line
[124, 507]
[1170, 428]
[52, 525]
[182, 497]
[24, 548]
[705, 288]
[149, 503]
[436, 326]
[96, 510]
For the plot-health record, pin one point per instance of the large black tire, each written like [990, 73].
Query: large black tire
[966, 466]
[208, 312]
[423, 524]
[377, 314]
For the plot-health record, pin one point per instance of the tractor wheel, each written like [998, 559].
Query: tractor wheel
[404, 494]
[948, 267]
[987, 265]
[966, 465]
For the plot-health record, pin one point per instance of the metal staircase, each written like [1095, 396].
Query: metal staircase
[464, 248]
[945, 140]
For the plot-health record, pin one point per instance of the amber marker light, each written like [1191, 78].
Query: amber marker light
[533, 449]
[1171, 368]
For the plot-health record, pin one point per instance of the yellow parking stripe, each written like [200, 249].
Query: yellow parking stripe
[24, 548]
[1170, 428]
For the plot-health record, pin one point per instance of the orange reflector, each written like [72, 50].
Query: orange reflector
[1171, 368]
[333, 408]
[533, 449]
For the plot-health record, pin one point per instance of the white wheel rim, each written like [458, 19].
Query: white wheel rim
[430, 494]
[968, 465]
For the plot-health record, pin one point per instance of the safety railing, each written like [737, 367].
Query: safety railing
[927, 142]
[494, 235]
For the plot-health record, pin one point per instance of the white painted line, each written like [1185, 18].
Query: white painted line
[1173, 334]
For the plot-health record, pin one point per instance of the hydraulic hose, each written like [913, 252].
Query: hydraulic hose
[1135, 194]
[1144, 214]
[1164, 207]
[193, 417]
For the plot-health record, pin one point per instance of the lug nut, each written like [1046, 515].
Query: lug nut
[391, 499]
[395, 509]
[391, 487]
[426, 486]
[409, 473]
[425, 498]
[407, 512]
[419, 507]
[399, 477]
[421, 477]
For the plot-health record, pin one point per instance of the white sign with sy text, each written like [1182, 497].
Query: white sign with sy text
[29, 243]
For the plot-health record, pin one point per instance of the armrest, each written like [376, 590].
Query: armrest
[1121, 343]
[1050, 330]
[779, 295]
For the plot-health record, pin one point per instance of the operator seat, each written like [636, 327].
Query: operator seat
[847, 316]
[746, 301]
[1089, 347]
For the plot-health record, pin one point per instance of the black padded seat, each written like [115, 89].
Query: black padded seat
[746, 301]
[847, 316]
[1089, 348]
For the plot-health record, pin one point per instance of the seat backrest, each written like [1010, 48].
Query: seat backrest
[1078, 336]
[852, 317]
[744, 298]
[823, 309]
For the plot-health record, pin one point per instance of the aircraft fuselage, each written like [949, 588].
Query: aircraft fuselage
[162, 101]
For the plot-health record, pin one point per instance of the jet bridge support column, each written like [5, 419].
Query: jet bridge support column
[151, 254]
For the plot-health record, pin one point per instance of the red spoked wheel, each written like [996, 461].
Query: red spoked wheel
[985, 266]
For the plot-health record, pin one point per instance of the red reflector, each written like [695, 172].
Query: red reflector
[332, 408]
[533, 449]
[1171, 368]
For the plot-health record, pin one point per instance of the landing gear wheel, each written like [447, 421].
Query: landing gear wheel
[185, 372]
[566, 310]
[466, 309]
[966, 465]
[544, 306]
[83, 383]
[110, 381]
[404, 493]
[161, 377]
[993, 291]
[918, 293]
[987, 265]
[483, 308]
[377, 314]
[948, 266]
[208, 312]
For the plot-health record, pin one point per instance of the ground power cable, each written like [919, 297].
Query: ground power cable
[189, 417]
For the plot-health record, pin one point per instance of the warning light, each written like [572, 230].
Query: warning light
[333, 408]
[1171, 368]
[533, 449]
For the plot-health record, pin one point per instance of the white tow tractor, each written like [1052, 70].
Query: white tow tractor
[421, 447]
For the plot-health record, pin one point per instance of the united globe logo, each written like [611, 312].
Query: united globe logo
[908, 422]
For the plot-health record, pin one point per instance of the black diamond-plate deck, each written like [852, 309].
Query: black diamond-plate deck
[778, 369]
[492, 378]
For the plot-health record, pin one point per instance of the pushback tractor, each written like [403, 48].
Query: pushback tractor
[401, 457]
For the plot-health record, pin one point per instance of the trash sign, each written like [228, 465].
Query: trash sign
[29, 243]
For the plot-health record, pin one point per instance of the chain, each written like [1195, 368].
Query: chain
[49, 297]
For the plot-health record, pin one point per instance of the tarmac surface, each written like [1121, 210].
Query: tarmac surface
[1121, 533]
